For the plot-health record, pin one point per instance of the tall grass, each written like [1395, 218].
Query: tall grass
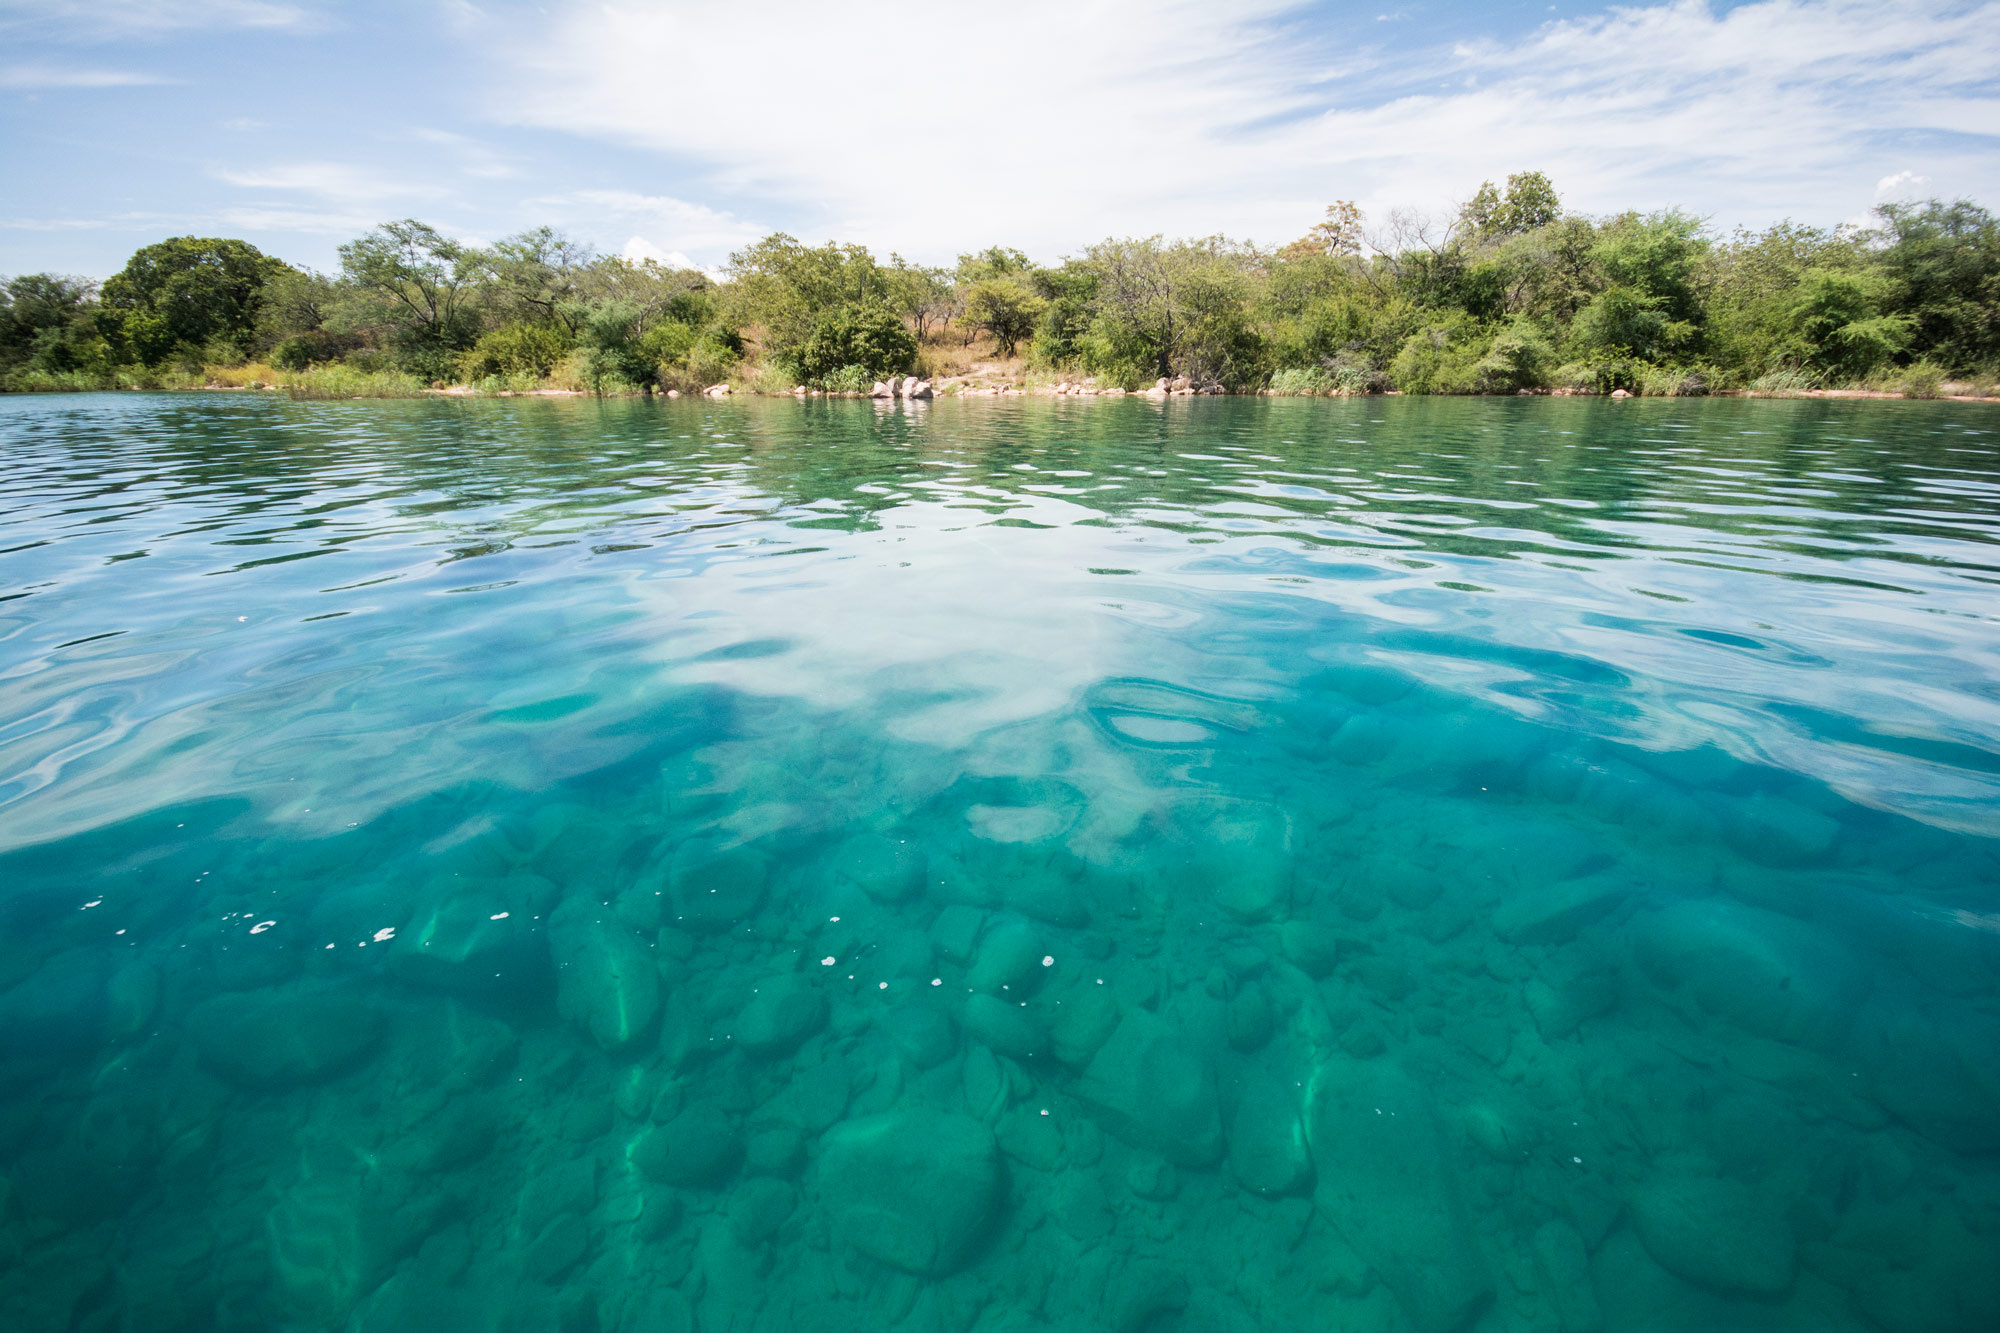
[1784, 384]
[339, 381]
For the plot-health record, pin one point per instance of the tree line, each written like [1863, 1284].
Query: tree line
[1511, 292]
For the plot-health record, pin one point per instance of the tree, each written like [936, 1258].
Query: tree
[1529, 204]
[927, 297]
[191, 296]
[1944, 260]
[1338, 236]
[1177, 309]
[51, 323]
[537, 274]
[422, 281]
[1007, 307]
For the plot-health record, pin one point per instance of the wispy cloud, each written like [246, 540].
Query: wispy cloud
[676, 224]
[330, 180]
[1069, 122]
[35, 78]
[114, 20]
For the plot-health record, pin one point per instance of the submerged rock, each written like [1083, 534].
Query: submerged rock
[885, 868]
[606, 980]
[1768, 974]
[1717, 1232]
[1005, 1026]
[1267, 1140]
[784, 1012]
[915, 1190]
[1386, 1183]
[697, 1147]
[471, 944]
[278, 1038]
[1147, 1086]
[711, 893]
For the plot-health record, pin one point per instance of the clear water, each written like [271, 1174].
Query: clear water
[1229, 865]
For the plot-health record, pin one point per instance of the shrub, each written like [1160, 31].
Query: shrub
[848, 379]
[1785, 384]
[1518, 358]
[870, 337]
[1920, 379]
[1302, 382]
[312, 348]
[1672, 382]
[1600, 374]
[519, 349]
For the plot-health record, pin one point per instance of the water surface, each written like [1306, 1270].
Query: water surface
[1237, 864]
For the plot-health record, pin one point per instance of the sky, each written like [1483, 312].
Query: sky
[681, 131]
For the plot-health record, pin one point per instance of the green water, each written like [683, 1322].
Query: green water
[1164, 868]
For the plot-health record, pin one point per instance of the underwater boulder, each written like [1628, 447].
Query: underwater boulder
[1386, 1183]
[1715, 1231]
[1768, 974]
[1267, 1140]
[914, 1190]
[607, 981]
[469, 944]
[1005, 1026]
[697, 1147]
[283, 1038]
[784, 1012]
[887, 869]
[1147, 1086]
[1009, 956]
[712, 893]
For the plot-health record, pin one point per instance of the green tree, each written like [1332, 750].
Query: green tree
[191, 297]
[538, 275]
[1944, 262]
[422, 283]
[1007, 307]
[52, 323]
[1529, 204]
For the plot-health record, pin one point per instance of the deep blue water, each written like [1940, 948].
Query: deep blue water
[1237, 864]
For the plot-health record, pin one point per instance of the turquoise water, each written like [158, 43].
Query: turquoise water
[1228, 865]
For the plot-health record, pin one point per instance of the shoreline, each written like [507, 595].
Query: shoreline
[1016, 391]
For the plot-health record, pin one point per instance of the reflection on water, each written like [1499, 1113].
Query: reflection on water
[1236, 864]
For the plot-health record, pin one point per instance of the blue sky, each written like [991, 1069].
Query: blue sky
[686, 129]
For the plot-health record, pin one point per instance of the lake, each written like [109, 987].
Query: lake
[1235, 864]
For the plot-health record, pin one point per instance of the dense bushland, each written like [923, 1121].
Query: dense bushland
[1510, 294]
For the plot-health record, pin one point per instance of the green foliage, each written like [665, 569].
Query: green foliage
[1006, 306]
[191, 294]
[1920, 379]
[869, 337]
[1837, 326]
[1529, 204]
[418, 283]
[847, 379]
[1509, 294]
[1943, 262]
[1172, 309]
[533, 350]
[1458, 355]
[1302, 382]
[1517, 358]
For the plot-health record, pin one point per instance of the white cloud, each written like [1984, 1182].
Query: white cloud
[315, 222]
[329, 180]
[639, 250]
[38, 77]
[1902, 185]
[685, 226]
[111, 20]
[1066, 123]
